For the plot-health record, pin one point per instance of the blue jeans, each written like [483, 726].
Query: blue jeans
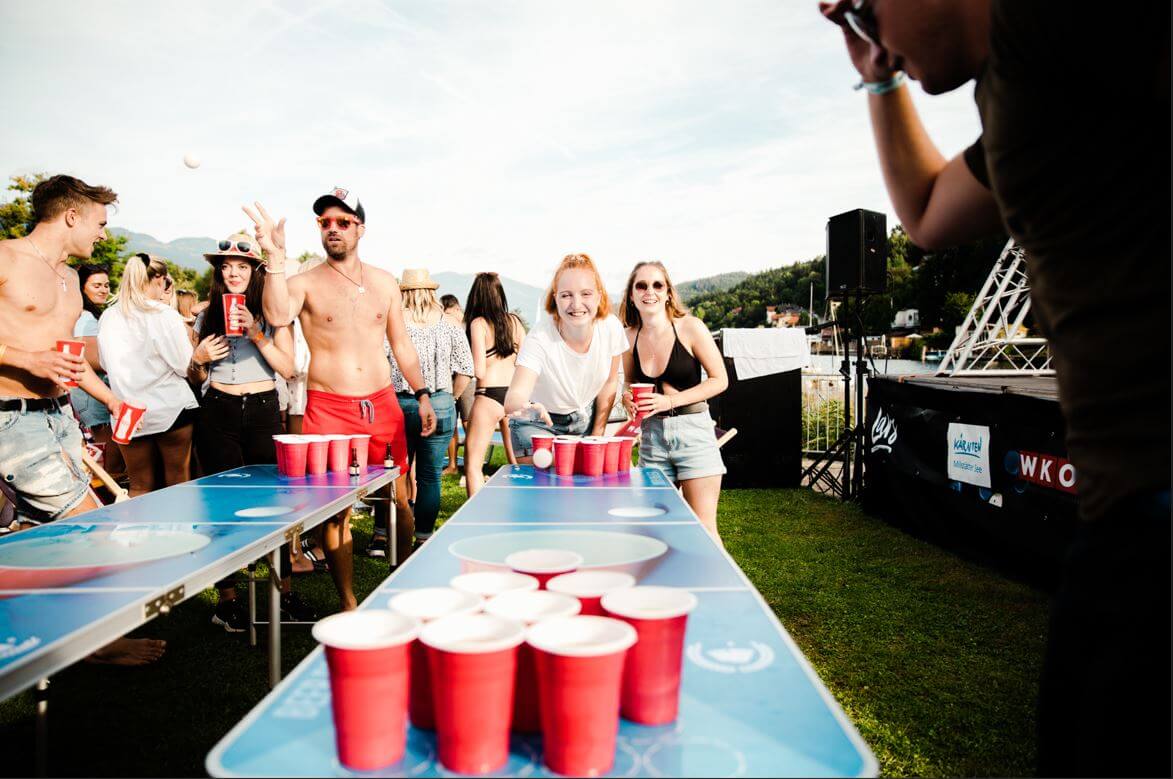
[429, 455]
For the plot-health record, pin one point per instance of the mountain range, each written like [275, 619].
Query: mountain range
[526, 298]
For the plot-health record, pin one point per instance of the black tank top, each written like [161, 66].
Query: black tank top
[682, 372]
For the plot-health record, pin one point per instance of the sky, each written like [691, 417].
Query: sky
[479, 136]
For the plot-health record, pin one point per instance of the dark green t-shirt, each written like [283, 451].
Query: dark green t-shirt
[1074, 104]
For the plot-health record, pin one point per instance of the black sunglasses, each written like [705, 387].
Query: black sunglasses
[642, 286]
[862, 20]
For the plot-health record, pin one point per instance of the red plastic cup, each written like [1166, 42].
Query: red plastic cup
[77, 348]
[529, 608]
[543, 441]
[564, 453]
[279, 442]
[611, 455]
[366, 652]
[338, 453]
[651, 679]
[580, 663]
[296, 454]
[625, 445]
[594, 451]
[426, 605]
[473, 660]
[639, 391]
[589, 587]
[359, 444]
[128, 419]
[488, 584]
[231, 299]
[317, 454]
[544, 564]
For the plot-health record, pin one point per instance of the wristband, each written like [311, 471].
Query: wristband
[419, 393]
[883, 87]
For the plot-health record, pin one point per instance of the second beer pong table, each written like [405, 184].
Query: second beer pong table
[750, 704]
[70, 587]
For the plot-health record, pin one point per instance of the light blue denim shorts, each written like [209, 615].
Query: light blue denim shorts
[522, 431]
[683, 447]
[40, 460]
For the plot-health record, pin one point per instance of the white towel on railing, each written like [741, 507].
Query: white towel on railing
[765, 351]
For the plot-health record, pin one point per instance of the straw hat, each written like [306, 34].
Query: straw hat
[417, 278]
[236, 245]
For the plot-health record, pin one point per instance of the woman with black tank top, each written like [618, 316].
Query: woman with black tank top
[495, 336]
[668, 349]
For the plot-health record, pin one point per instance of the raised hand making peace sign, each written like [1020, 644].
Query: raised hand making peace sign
[270, 236]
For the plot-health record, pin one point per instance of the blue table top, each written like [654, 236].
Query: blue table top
[69, 587]
[750, 703]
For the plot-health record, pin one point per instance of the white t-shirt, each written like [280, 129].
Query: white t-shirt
[145, 357]
[569, 381]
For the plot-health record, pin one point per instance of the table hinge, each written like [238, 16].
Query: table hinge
[293, 534]
[161, 606]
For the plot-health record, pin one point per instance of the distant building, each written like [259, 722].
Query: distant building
[908, 319]
[784, 316]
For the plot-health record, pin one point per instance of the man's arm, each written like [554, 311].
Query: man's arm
[938, 201]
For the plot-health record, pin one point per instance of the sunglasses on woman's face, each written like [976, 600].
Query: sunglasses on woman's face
[343, 222]
[642, 286]
[241, 246]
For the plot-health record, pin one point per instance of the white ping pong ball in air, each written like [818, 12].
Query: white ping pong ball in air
[543, 458]
[191, 161]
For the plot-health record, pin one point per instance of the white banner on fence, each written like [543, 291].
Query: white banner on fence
[969, 454]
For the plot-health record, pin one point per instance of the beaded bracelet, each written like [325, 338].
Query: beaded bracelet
[883, 87]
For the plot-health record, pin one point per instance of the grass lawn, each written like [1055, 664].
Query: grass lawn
[936, 660]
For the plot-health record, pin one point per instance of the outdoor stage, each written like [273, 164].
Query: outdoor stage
[977, 464]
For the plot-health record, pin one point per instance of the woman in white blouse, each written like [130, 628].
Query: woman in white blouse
[567, 370]
[145, 352]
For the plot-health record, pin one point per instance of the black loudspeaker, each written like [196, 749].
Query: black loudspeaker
[857, 253]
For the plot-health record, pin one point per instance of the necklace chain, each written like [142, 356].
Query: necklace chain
[359, 284]
[60, 278]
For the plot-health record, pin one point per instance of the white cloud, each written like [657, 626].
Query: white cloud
[479, 136]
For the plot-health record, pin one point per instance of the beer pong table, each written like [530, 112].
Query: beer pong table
[70, 587]
[750, 704]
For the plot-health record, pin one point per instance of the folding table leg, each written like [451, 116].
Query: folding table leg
[274, 617]
[252, 604]
[392, 530]
[41, 696]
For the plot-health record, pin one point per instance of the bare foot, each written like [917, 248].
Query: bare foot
[348, 603]
[449, 471]
[129, 651]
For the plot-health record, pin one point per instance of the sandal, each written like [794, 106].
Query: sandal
[378, 546]
[313, 554]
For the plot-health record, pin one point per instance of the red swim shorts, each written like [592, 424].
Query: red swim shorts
[377, 415]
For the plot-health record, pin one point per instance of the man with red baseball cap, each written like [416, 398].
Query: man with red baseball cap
[346, 308]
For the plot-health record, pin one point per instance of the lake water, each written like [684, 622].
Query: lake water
[828, 363]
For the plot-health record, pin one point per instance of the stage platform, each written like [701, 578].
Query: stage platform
[977, 464]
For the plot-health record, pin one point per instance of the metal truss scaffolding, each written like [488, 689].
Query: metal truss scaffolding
[992, 341]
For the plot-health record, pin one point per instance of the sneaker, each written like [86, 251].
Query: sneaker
[232, 615]
[378, 546]
[294, 609]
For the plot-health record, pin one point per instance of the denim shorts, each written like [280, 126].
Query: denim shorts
[47, 485]
[522, 431]
[683, 447]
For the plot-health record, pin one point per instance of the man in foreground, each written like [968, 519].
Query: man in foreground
[1074, 162]
[40, 301]
[346, 308]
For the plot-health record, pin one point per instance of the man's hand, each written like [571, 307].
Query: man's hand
[270, 235]
[872, 62]
[53, 365]
[427, 416]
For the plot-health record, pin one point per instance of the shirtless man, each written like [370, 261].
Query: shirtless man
[346, 308]
[40, 301]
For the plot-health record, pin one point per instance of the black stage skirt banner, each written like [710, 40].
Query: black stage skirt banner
[974, 467]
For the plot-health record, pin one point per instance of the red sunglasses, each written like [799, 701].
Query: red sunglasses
[343, 222]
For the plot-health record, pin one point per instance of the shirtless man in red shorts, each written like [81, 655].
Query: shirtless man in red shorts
[346, 308]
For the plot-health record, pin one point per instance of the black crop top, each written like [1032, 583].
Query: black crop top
[682, 372]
